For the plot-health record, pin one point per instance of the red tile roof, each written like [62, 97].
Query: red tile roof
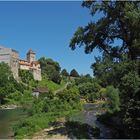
[24, 62]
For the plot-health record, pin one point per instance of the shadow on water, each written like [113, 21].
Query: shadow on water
[7, 118]
[88, 117]
[77, 130]
[74, 130]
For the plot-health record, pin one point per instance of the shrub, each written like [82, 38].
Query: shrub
[113, 100]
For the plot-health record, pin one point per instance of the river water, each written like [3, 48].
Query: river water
[89, 116]
[8, 117]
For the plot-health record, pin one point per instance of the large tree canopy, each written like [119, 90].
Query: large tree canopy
[74, 73]
[64, 72]
[119, 65]
[50, 69]
[120, 21]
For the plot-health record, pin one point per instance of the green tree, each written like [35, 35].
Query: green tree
[64, 73]
[120, 65]
[131, 85]
[5, 74]
[113, 100]
[90, 90]
[50, 69]
[55, 77]
[44, 62]
[26, 76]
[120, 21]
[131, 119]
[74, 73]
[84, 79]
[8, 85]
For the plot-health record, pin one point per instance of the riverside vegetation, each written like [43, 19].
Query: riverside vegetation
[115, 85]
[116, 34]
[48, 108]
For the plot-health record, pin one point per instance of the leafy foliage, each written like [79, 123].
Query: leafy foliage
[45, 110]
[111, 26]
[119, 65]
[113, 102]
[84, 79]
[89, 90]
[5, 74]
[26, 76]
[8, 85]
[52, 86]
[132, 119]
[64, 73]
[74, 73]
[50, 69]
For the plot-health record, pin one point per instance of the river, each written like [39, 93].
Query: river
[90, 117]
[8, 117]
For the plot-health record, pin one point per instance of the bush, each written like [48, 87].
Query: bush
[89, 90]
[132, 119]
[26, 76]
[32, 124]
[43, 111]
[113, 100]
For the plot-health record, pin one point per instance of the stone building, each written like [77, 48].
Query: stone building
[11, 57]
[31, 64]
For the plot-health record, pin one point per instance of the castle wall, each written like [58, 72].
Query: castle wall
[24, 67]
[5, 55]
[37, 74]
[10, 57]
[15, 63]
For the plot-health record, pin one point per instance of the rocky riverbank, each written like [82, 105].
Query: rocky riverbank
[52, 133]
[56, 131]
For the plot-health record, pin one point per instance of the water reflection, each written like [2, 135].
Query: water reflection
[7, 119]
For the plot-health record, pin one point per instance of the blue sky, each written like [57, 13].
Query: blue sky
[47, 28]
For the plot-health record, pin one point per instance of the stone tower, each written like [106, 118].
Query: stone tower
[30, 56]
[11, 57]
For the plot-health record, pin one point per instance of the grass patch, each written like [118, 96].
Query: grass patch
[51, 85]
[28, 126]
